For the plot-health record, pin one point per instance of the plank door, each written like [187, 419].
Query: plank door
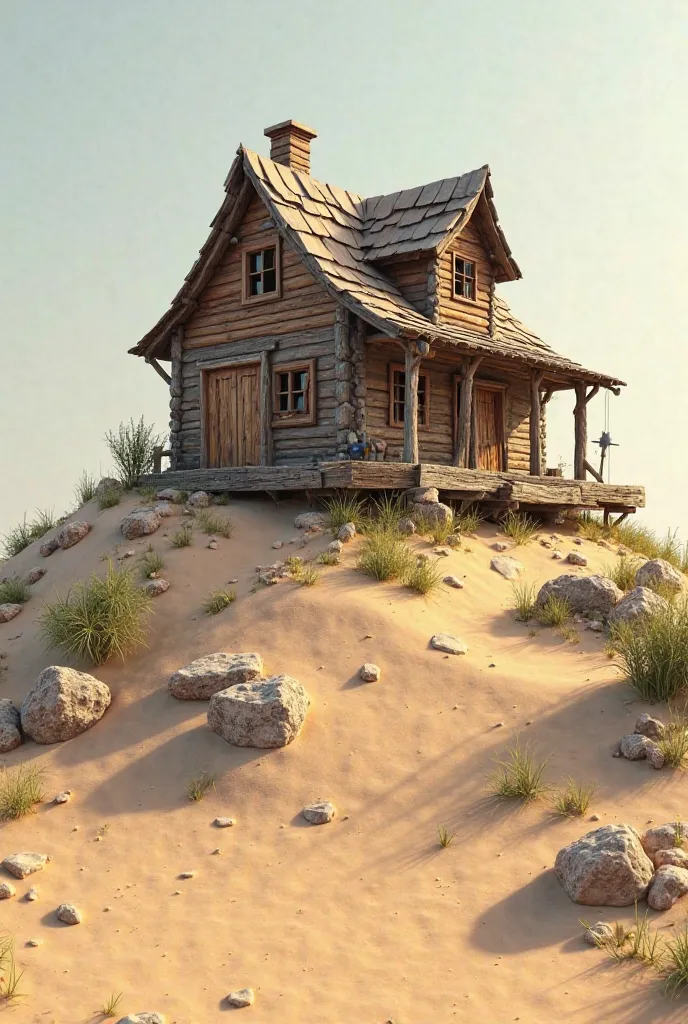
[233, 416]
[489, 428]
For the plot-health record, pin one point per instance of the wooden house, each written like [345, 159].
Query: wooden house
[323, 339]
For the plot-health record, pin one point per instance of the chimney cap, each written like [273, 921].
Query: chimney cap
[290, 126]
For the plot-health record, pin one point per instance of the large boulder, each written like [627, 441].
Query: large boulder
[659, 573]
[594, 596]
[62, 704]
[71, 534]
[310, 520]
[215, 672]
[637, 604]
[199, 499]
[10, 736]
[432, 512]
[265, 713]
[9, 611]
[605, 868]
[139, 523]
[668, 885]
[662, 837]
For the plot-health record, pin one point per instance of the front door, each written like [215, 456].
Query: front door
[489, 428]
[233, 416]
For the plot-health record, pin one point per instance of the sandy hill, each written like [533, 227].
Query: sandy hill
[363, 920]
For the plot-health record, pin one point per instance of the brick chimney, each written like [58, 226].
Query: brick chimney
[291, 145]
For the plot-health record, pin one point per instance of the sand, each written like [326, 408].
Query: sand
[365, 919]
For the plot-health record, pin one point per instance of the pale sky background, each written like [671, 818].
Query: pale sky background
[120, 120]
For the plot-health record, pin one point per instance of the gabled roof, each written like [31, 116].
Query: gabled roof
[343, 238]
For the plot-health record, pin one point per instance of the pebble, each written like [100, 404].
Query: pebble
[188, 874]
[212, 544]
[216, 851]
[232, 581]
[370, 673]
[594, 817]
[63, 798]
[441, 552]
[34, 942]
[224, 822]
[498, 725]
[32, 894]
[242, 997]
[7, 890]
[278, 544]
[68, 914]
[319, 813]
[453, 581]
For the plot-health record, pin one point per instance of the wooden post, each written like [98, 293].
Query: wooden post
[580, 413]
[535, 424]
[412, 360]
[266, 445]
[462, 441]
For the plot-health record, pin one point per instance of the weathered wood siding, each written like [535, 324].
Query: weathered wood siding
[298, 325]
[411, 278]
[437, 440]
[474, 315]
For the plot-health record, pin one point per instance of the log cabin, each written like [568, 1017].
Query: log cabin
[323, 339]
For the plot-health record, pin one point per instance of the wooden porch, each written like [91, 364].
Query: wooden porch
[510, 490]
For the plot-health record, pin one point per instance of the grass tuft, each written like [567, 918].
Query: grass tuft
[676, 963]
[14, 591]
[182, 538]
[637, 537]
[387, 512]
[424, 577]
[521, 528]
[99, 618]
[346, 508]
[24, 533]
[674, 746]
[444, 836]
[109, 498]
[636, 943]
[329, 558]
[569, 634]
[132, 449]
[574, 799]
[85, 489]
[524, 595]
[20, 791]
[623, 572]
[110, 1006]
[384, 556]
[210, 522]
[199, 785]
[294, 565]
[468, 521]
[556, 611]
[653, 653]
[9, 975]
[308, 577]
[218, 600]
[519, 775]
[151, 563]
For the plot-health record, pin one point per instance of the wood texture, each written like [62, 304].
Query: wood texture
[534, 424]
[580, 414]
[233, 416]
[412, 360]
[462, 447]
[473, 314]
[489, 428]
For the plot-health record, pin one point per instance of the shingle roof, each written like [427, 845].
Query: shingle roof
[342, 238]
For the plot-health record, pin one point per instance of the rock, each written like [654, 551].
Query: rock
[441, 552]
[242, 997]
[500, 546]
[507, 566]
[655, 755]
[406, 526]
[266, 713]
[105, 484]
[35, 574]
[578, 540]
[10, 736]
[163, 510]
[68, 914]
[596, 626]
[21, 865]
[147, 1017]
[139, 523]
[187, 874]
[661, 837]
[64, 797]
[599, 933]
[224, 822]
[594, 596]
[557, 556]
[453, 581]
[32, 894]
[346, 533]
[199, 499]
[658, 573]
[575, 558]
[71, 534]
[62, 704]
[307, 520]
[320, 812]
[9, 611]
[157, 587]
[34, 942]
[369, 672]
[605, 868]
[7, 890]
[212, 544]
[48, 547]
[648, 726]
[214, 672]
[169, 494]
[668, 885]
[335, 547]
[675, 856]
[277, 545]
[448, 643]
[432, 512]
[423, 496]
[639, 602]
[634, 747]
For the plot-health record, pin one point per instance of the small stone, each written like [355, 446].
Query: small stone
[346, 533]
[199, 499]
[128, 554]
[32, 894]
[71, 534]
[441, 552]
[594, 817]
[34, 942]
[498, 725]
[448, 643]
[668, 885]
[23, 864]
[146, 1017]
[157, 587]
[577, 540]
[453, 581]
[595, 625]
[406, 526]
[277, 544]
[545, 543]
[335, 547]
[369, 673]
[139, 523]
[507, 566]
[48, 547]
[575, 558]
[242, 997]
[557, 556]
[63, 798]
[500, 546]
[36, 574]
[9, 611]
[233, 581]
[675, 856]
[307, 520]
[7, 890]
[598, 933]
[68, 914]
[224, 822]
[212, 544]
[320, 812]
[187, 874]
[216, 851]
[655, 755]
[646, 725]
[634, 747]
[169, 494]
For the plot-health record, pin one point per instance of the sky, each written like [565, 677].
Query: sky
[120, 121]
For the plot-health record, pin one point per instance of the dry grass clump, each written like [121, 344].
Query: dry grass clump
[676, 963]
[519, 775]
[387, 512]
[85, 489]
[468, 521]
[569, 634]
[638, 942]
[294, 565]
[199, 785]
[148, 494]
[444, 836]
[9, 975]
[99, 618]
[623, 572]
[24, 533]
[14, 591]
[308, 576]
[210, 522]
[182, 538]
[109, 498]
[424, 577]
[329, 558]
[218, 600]
[637, 537]
[20, 791]
[132, 449]
[151, 563]
[674, 746]
[653, 653]
[442, 531]
[521, 528]
[346, 508]
[524, 595]
[574, 799]
[384, 556]
[556, 611]
[110, 1006]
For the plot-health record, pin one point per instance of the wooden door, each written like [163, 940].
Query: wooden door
[488, 428]
[233, 416]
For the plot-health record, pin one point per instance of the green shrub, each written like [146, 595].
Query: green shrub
[653, 652]
[328, 558]
[151, 564]
[109, 498]
[182, 538]
[674, 746]
[85, 489]
[14, 591]
[98, 618]
[519, 775]
[218, 600]
[132, 448]
[521, 528]
[199, 785]
[637, 537]
[209, 522]
[384, 556]
[345, 508]
[676, 963]
[424, 577]
[574, 799]
[308, 577]
[20, 791]
[623, 572]
[556, 611]
[524, 595]
[294, 565]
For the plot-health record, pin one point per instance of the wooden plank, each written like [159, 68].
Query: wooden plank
[542, 494]
[535, 424]
[239, 478]
[412, 359]
[267, 454]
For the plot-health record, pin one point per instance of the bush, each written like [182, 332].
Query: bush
[25, 533]
[85, 489]
[556, 611]
[424, 577]
[199, 785]
[328, 558]
[345, 508]
[218, 600]
[132, 449]
[182, 538]
[519, 774]
[387, 512]
[308, 576]
[109, 498]
[623, 572]
[99, 618]
[151, 564]
[674, 744]
[20, 791]
[385, 557]
[520, 527]
[524, 595]
[654, 653]
[294, 565]
[574, 799]
[209, 522]
[14, 591]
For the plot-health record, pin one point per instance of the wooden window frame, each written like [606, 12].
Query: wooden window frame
[399, 424]
[251, 250]
[464, 298]
[309, 418]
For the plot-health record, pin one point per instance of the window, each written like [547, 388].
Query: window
[397, 397]
[261, 273]
[294, 394]
[465, 279]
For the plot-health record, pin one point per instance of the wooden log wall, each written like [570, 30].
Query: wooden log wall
[412, 278]
[176, 395]
[475, 315]
[436, 442]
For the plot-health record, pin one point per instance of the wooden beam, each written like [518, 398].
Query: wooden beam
[593, 472]
[159, 370]
[580, 414]
[462, 437]
[592, 392]
[535, 417]
[412, 360]
[266, 439]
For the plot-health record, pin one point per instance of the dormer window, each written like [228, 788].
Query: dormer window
[464, 279]
[261, 273]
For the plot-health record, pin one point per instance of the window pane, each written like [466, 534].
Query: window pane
[255, 286]
[269, 281]
[254, 262]
[284, 402]
[284, 382]
[300, 380]
[299, 401]
[268, 259]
